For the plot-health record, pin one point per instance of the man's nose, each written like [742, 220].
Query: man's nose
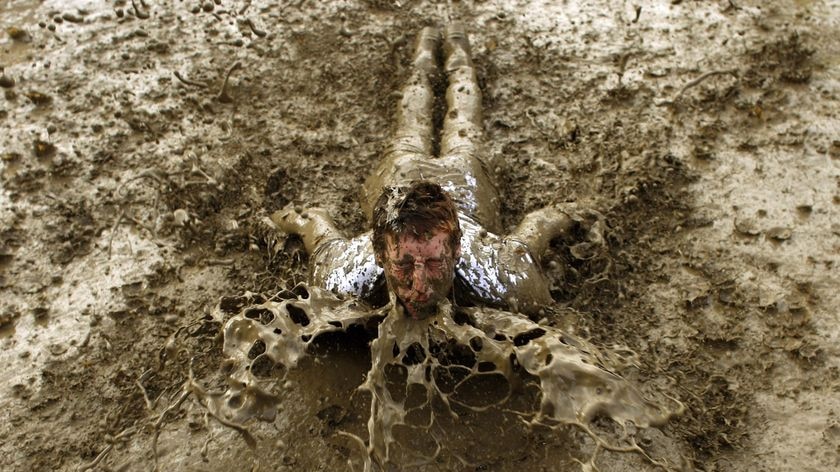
[419, 278]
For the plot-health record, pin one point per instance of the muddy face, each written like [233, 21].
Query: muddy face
[420, 270]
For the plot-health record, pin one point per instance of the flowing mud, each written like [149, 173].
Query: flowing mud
[144, 143]
[426, 375]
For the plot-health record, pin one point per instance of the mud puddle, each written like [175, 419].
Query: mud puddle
[434, 385]
[720, 210]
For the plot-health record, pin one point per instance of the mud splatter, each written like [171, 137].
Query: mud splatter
[426, 373]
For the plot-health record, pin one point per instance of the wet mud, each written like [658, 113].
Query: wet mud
[426, 374]
[146, 142]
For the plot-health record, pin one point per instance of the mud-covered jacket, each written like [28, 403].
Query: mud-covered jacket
[493, 270]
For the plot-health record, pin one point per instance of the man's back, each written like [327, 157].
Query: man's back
[465, 178]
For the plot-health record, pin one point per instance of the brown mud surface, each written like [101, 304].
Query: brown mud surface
[144, 142]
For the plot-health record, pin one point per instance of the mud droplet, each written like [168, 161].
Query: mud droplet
[779, 233]
[43, 149]
[57, 349]
[72, 18]
[181, 217]
[10, 157]
[746, 226]
[6, 320]
[804, 210]
[6, 81]
[38, 98]
[18, 34]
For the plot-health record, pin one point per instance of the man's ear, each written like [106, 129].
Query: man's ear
[379, 254]
[458, 251]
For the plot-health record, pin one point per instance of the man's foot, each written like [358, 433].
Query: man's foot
[425, 52]
[456, 47]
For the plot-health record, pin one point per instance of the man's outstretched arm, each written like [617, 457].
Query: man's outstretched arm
[340, 265]
[506, 270]
[540, 227]
[313, 225]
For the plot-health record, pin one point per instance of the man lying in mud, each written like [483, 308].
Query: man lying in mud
[435, 233]
[435, 218]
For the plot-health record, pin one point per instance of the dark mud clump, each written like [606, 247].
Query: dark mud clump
[787, 60]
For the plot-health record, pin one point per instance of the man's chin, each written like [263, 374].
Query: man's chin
[420, 309]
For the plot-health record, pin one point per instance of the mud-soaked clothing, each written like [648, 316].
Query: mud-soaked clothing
[493, 270]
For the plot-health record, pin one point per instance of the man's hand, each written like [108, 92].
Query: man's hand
[539, 227]
[314, 225]
[289, 220]
[595, 242]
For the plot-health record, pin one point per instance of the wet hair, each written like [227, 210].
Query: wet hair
[416, 210]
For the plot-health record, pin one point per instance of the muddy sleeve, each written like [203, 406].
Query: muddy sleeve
[346, 267]
[500, 272]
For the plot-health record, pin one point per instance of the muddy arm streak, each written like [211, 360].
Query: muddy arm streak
[114, 227]
[148, 173]
[172, 407]
[98, 459]
[90, 465]
[602, 444]
[150, 405]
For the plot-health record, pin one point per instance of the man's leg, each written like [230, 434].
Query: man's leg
[414, 117]
[462, 124]
[413, 135]
[415, 127]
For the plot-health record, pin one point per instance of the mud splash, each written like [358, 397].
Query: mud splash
[427, 374]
